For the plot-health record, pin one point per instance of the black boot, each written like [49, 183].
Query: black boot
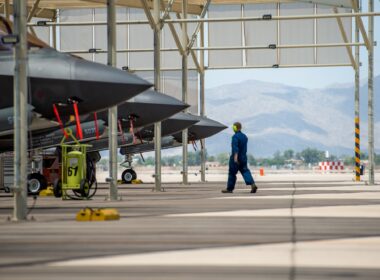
[253, 188]
[226, 191]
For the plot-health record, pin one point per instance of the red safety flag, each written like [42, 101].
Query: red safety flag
[195, 147]
[132, 130]
[56, 113]
[140, 137]
[121, 131]
[79, 127]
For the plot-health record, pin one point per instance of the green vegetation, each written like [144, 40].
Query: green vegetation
[285, 159]
[194, 158]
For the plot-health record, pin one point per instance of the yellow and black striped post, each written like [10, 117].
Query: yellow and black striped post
[357, 149]
[357, 98]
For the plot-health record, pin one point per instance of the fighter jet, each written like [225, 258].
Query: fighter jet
[172, 125]
[169, 126]
[144, 109]
[202, 129]
[64, 81]
[134, 112]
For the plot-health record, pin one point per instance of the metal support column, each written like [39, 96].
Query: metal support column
[157, 86]
[185, 141]
[112, 112]
[20, 113]
[371, 153]
[357, 104]
[202, 103]
[7, 9]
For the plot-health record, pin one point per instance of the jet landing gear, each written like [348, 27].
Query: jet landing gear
[128, 174]
[36, 181]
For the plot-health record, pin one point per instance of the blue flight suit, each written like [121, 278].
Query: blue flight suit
[239, 146]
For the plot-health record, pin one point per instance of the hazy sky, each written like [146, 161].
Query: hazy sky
[303, 77]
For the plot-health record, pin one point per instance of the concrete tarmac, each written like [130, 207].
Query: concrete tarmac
[301, 230]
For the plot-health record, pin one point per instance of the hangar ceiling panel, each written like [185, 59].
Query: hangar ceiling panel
[328, 32]
[173, 59]
[76, 37]
[259, 33]
[141, 38]
[100, 36]
[173, 87]
[42, 33]
[296, 32]
[225, 34]
[218, 34]
[295, 38]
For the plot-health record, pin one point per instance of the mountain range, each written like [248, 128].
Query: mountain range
[277, 117]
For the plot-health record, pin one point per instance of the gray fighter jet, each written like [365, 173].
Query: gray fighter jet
[202, 129]
[61, 79]
[144, 109]
[169, 126]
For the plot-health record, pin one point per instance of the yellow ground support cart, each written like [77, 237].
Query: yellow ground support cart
[73, 171]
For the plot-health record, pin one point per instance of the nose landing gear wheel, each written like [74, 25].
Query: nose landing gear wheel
[128, 176]
[36, 183]
[57, 188]
[84, 188]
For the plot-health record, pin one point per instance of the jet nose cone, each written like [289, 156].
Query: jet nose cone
[177, 123]
[108, 85]
[203, 129]
[156, 97]
[58, 78]
[150, 107]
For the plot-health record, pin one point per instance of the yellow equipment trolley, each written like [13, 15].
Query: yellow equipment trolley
[73, 171]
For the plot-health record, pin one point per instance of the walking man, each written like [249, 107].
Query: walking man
[238, 161]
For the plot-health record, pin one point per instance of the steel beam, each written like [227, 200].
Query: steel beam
[224, 48]
[112, 112]
[54, 32]
[357, 106]
[371, 147]
[198, 27]
[148, 14]
[20, 113]
[192, 52]
[157, 86]
[294, 17]
[359, 22]
[202, 103]
[345, 39]
[228, 19]
[251, 67]
[324, 3]
[176, 38]
[33, 10]
[7, 9]
[185, 141]
[168, 9]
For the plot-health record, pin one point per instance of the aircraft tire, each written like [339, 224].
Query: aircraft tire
[57, 188]
[36, 183]
[128, 176]
[84, 188]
